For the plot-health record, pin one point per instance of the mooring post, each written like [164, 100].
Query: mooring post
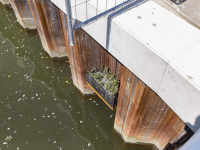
[49, 26]
[23, 14]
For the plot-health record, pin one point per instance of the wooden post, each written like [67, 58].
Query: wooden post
[23, 14]
[143, 117]
[85, 55]
[48, 22]
[78, 64]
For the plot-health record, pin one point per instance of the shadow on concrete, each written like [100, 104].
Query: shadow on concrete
[196, 125]
[189, 131]
[117, 13]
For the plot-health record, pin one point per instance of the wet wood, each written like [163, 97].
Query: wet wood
[48, 22]
[85, 55]
[142, 116]
[23, 14]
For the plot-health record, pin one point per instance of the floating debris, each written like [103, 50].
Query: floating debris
[79, 122]
[8, 138]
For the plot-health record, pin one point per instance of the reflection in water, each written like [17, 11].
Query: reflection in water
[38, 108]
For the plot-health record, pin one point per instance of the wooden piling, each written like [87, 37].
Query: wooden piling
[85, 55]
[142, 117]
[48, 22]
[23, 14]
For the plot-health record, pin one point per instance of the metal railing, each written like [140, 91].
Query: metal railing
[116, 5]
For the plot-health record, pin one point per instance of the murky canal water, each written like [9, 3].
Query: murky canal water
[38, 108]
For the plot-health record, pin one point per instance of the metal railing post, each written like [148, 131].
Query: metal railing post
[135, 2]
[69, 21]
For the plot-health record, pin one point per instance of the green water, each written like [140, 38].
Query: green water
[38, 108]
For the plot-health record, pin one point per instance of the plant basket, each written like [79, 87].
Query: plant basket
[109, 99]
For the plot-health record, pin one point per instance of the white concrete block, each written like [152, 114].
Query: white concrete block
[180, 86]
[189, 65]
[165, 33]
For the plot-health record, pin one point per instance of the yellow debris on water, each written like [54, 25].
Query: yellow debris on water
[59, 59]
[66, 81]
[8, 76]
[41, 57]
[21, 30]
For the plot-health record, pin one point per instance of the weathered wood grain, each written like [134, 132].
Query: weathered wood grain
[23, 14]
[143, 117]
[48, 22]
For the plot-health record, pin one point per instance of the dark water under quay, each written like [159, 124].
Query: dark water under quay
[38, 108]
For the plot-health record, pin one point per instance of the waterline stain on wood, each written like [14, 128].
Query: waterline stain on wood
[23, 14]
[48, 22]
